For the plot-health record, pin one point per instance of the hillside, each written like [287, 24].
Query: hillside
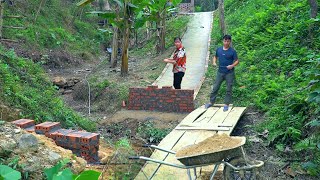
[278, 76]
[56, 33]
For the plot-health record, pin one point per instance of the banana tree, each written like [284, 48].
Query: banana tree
[158, 12]
[127, 14]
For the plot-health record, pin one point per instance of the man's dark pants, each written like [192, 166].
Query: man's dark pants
[229, 78]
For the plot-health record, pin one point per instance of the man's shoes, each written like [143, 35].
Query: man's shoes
[208, 105]
[225, 108]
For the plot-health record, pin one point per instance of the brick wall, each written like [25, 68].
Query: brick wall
[165, 99]
[81, 143]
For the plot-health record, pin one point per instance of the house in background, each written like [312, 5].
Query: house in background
[186, 6]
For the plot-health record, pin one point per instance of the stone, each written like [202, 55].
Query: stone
[54, 157]
[17, 131]
[59, 81]
[28, 141]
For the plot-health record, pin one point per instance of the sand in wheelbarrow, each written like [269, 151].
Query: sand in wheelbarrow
[212, 144]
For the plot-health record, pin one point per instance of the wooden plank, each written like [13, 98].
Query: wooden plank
[205, 128]
[167, 143]
[233, 118]
[190, 118]
[206, 125]
[219, 116]
[221, 105]
[207, 115]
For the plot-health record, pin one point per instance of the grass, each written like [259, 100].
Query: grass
[58, 26]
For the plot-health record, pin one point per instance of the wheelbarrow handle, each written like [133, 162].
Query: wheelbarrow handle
[160, 162]
[134, 157]
[158, 148]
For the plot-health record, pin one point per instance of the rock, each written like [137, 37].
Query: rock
[59, 81]
[79, 166]
[67, 91]
[54, 157]
[17, 131]
[7, 145]
[28, 141]
[254, 139]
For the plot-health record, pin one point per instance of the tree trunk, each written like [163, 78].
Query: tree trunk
[148, 26]
[126, 36]
[158, 26]
[125, 41]
[314, 8]
[163, 32]
[222, 21]
[313, 14]
[1, 18]
[114, 54]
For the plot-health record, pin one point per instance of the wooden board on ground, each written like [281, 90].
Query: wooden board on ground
[220, 116]
[233, 118]
[205, 117]
[194, 115]
[181, 138]
[205, 128]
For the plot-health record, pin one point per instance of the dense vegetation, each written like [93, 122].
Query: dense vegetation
[278, 47]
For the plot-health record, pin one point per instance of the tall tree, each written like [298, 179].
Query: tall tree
[128, 14]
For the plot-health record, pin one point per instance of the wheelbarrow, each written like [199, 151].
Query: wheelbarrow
[238, 166]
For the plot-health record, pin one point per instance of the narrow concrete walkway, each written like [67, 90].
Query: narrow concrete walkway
[196, 42]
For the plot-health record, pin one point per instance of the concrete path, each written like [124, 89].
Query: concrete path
[196, 41]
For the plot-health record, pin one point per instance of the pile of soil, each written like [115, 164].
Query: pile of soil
[214, 143]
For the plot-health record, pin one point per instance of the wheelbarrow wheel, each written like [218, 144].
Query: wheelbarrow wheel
[231, 174]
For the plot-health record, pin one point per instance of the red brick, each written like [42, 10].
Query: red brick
[24, 123]
[152, 86]
[166, 87]
[47, 127]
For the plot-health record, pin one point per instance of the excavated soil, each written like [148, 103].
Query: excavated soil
[214, 143]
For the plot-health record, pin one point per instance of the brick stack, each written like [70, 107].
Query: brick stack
[81, 143]
[26, 124]
[164, 99]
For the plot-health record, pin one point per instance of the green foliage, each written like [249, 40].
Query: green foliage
[175, 28]
[7, 173]
[152, 134]
[123, 143]
[24, 85]
[61, 172]
[278, 73]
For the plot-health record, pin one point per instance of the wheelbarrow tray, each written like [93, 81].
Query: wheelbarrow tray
[211, 157]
